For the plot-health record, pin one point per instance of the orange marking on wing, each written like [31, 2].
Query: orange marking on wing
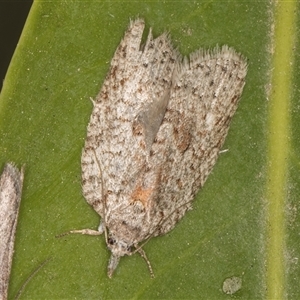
[142, 195]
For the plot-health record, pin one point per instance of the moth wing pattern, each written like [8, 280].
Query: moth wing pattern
[11, 183]
[121, 129]
[203, 98]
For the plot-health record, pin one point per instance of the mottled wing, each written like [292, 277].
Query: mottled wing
[126, 117]
[11, 182]
[203, 99]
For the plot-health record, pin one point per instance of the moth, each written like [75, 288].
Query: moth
[11, 183]
[155, 132]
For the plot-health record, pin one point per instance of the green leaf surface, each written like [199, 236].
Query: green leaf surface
[61, 61]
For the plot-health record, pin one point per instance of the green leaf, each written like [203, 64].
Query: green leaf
[61, 61]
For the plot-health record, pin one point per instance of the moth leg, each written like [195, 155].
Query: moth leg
[87, 231]
[100, 230]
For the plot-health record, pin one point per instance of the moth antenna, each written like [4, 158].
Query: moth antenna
[90, 231]
[104, 200]
[105, 234]
[144, 256]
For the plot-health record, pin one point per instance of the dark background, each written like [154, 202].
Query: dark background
[13, 16]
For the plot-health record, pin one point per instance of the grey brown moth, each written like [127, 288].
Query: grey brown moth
[157, 127]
